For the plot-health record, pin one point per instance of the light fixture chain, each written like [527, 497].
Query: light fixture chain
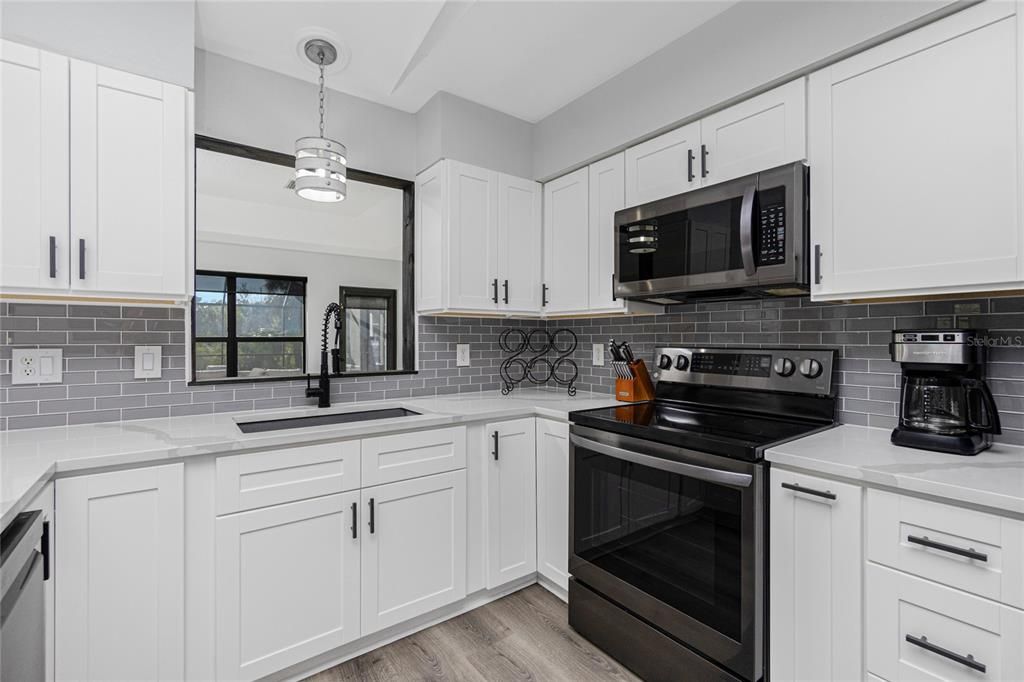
[321, 93]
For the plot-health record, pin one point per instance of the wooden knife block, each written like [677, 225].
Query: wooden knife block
[637, 389]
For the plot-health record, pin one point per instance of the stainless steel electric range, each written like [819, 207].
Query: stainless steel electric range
[668, 508]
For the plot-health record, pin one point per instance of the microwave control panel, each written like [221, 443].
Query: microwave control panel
[771, 247]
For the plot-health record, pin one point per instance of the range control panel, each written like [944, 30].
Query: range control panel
[791, 370]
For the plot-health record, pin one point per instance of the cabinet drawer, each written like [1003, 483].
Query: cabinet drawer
[408, 455]
[922, 630]
[970, 550]
[261, 479]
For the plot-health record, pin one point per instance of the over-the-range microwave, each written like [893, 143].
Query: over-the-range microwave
[745, 238]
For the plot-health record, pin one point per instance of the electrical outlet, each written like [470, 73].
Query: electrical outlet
[462, 354]
[147, 362]
[37, 366]
[598, 355]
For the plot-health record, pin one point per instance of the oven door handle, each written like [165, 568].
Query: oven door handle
[747, 231]
[730, 478]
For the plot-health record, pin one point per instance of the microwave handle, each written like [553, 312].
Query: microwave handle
[747, 231]
[731, 478]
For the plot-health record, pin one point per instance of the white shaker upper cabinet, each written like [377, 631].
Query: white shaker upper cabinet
[566, 237]
[607, 195]
[129, 150]
[473, 237]
[666, 165]
[757, 134]
[914, 151]
[520, 253]
[34, 154]
[431, 255]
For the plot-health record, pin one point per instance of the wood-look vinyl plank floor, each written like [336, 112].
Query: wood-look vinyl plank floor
[524, 636]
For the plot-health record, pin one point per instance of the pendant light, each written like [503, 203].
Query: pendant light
[320, 163]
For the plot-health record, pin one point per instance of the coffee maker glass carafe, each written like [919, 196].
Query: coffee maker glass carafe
[949, 404]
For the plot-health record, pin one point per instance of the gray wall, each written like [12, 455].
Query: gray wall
[243, 103]
[450, 127]
[747, 46]
[151, 39]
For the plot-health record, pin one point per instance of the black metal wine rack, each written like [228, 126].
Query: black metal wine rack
[529, 362]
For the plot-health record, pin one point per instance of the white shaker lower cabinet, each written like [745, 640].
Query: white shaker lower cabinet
[413, 548]
[511, 500]
[916, 177]
[121, 587]
[288, 584]
[815, 583]
[553, 501]
[919, 630]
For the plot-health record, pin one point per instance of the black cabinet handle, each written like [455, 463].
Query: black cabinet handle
[703, 161]
[817, 263]
[689, 165]
[506, 292]
[494, 284]
[828, 495]
[495, 452]
[371, 516]
[943, 547]
[81, 259]
[45, 542]
[543, 295]
[967, 660]
[53, 257]
[355, 532]
[614, 298]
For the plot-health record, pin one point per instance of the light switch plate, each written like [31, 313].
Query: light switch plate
[598, 355]
[462, 354]
[147, 362]
[37, 366]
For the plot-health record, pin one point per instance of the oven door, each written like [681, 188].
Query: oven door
[674, 536]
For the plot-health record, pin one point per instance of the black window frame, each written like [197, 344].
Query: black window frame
[408, 311]
[231, 338]
[392, 306]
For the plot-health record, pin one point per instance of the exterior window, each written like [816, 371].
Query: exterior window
[248, 325]
[368, 327]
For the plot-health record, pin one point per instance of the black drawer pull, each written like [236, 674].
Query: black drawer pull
[967, 660]
[355, 533]
[943, 547]
[828, 495]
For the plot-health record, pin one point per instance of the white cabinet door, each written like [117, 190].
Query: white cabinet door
[519, 244]
[913, 150]
[431, 254]
[413, 548]
[511, 500]
[120, 597]
[815, 586]
[473, 238]
[553, 501]
[566, 238]
[287, 584]
[667, 165]
[607, 195]
[34, 174]
[919, 630]
[756, 134]
[129, 149]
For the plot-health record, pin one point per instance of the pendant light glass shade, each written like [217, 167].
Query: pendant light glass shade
[320, 169]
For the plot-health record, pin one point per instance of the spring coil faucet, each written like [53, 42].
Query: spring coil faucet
[323, 391]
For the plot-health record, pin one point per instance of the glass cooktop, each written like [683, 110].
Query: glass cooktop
[728, 433]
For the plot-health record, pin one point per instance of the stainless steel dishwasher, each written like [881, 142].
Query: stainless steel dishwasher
[24, 565]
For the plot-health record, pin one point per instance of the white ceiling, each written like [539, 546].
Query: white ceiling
[527, 58]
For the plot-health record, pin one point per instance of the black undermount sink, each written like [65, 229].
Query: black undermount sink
[324, 419]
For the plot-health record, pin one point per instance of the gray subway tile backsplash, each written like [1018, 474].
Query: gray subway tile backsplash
[99, 355]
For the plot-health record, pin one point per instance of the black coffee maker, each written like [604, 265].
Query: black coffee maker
[945, 405]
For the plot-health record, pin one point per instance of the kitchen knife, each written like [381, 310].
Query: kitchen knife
[628, 352]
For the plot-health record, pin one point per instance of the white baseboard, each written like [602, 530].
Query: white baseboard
[553, 587]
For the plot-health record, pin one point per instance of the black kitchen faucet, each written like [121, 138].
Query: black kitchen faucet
[323, 391]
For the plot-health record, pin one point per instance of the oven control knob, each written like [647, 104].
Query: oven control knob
[810, 368]
[682, 363]
[784, 367]
[665, 362]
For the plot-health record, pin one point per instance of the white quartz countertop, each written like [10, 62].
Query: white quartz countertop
[993, 478]
[31, 457]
